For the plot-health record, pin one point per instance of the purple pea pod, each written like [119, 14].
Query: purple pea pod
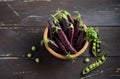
[51, 29]
[77, 31]
[80, 40]
[64, 23]
[61, 46]
[70, 33]
[51, 44]
[64, 40]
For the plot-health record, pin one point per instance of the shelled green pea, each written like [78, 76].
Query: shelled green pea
[29, 55]
[90, 66]
[37, 60]
[96, 47]
[33, 48]
[87, 60]
[95, 65]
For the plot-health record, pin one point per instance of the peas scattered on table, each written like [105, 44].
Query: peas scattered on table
[29, 55]
[37, 60]
[33, 48]
[87, 60]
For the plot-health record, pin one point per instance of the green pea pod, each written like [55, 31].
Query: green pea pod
[96, 47]
[96, 64]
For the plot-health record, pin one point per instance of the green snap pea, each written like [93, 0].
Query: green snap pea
[95, 64]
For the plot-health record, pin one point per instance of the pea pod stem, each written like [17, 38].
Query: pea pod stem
[69, 56]
[55, 20]
[56, 29]
[78, 17]
[45, 41]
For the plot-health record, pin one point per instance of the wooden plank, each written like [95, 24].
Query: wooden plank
[18, 41]
[105, 14]
[27, 69]
[22, 25]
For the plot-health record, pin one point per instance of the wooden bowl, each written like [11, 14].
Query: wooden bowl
[45, 36]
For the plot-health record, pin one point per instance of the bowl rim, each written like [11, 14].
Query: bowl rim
[60, 56]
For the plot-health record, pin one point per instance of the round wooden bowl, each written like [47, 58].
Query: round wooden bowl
[45, 36]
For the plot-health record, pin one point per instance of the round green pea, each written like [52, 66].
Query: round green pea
[37, 60]
[98, 50]
[97, 64]
[29, 55]
[93, 65]
[87, 69]
[94, 48]
[103, 58]
[33, 48]
[87, 60]
[95, 40]
[100, 62]
[90, 66]
[98, 45]
[94, 44]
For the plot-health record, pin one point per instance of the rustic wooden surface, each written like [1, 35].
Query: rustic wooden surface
[22, 24]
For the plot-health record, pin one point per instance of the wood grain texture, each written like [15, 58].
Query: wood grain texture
[22, 25]
[17, 42]
[94, 12]
[27, 69]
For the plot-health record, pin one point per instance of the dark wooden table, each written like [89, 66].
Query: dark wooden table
[22, 23]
